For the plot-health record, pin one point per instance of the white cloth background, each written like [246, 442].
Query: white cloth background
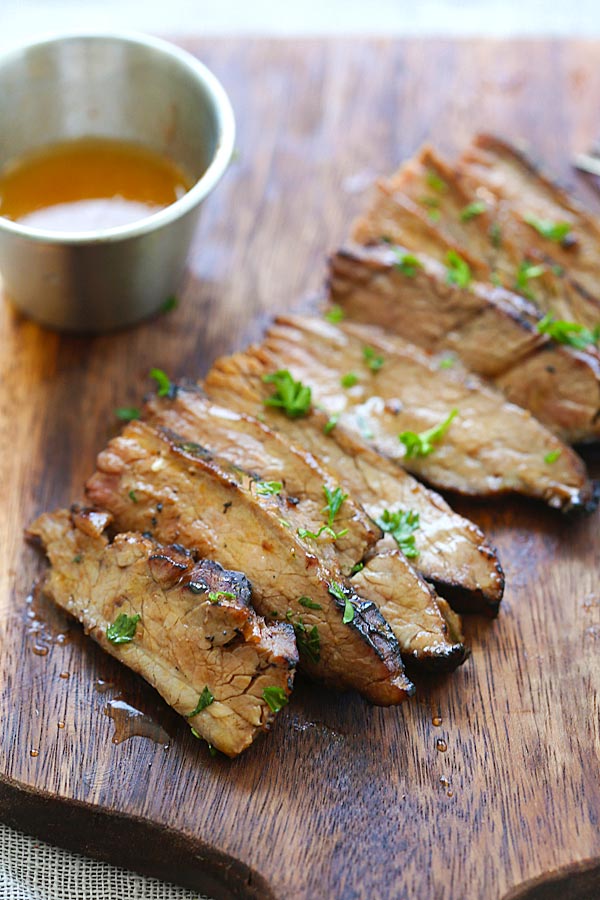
[32, 870]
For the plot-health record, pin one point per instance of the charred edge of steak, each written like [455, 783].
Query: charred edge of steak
[369, 622]
[476, 602]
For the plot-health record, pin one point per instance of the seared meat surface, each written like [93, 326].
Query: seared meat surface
[487, 446]
[493, 331]
[192, 633]
[410, 608]
[154, 481]
[452, 552]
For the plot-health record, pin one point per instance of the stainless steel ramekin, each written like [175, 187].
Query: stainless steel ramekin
[125, 86]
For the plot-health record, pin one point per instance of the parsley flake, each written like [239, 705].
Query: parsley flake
[337, 591]
[132, 496]
[373, 359]
[446, 362]
[435, 182]
[206, 698]
[163, 382]
[571, 333]
[127, 413]
[122, 630]
[495, 235]
[308, 603]
[349, 380]
[78, 558]
[357, 568]
[552, 231]
[215, 596]
[458, 271]
[275, 698]
[401, 524]
[170, 303]
[334, 314]
[268, 488]
[527, 272]
[408, 264]
[335, 500]
[308, 641]
[422, 444]
[293, 397]
[331, 423]
[552, 456]
[472, 210]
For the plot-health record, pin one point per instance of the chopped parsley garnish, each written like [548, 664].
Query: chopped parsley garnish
[552, 231]
[373, 359]
[127, 413]
[552, 456]
[558, 270]
[78, 558]
[472, 210]
[434, 215]
[349, 380]
[335, 500]
[435, 182]
[408, 264]
[211, 749]
[163, 382]
[337, 591]
[132, 496]
[170, 303]
[422, 444]
[122, 630]
[215, 596]
[275, 698]
[334, 314]
[331, 423]
[495, 235]
[357, 568]
[285, 523]
[308, 641]
[268, 488]
[401, 524]
[447, 362]
[308, 603]
[525, 273]
[206, 698]
[458, 271]
[293, 397]
[571, 333]
[430, 202]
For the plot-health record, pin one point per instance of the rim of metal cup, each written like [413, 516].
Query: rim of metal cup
[205, 184]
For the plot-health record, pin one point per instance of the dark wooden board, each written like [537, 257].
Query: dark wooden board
[342, 800]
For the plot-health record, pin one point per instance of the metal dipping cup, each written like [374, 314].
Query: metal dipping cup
[122, 86]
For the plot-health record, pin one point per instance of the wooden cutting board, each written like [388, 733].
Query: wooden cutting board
[342, 800]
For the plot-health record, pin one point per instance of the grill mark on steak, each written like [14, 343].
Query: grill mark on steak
[254, 536]
[183, 642]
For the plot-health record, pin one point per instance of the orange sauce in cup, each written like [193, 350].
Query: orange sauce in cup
[89, 184]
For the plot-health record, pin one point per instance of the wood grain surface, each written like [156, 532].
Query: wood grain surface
[342, 800]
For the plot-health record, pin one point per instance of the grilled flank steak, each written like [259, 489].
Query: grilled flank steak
[154, 481]
[452, 552]
[493, 331]
[185, 626]
[480, 444]
[410, 608]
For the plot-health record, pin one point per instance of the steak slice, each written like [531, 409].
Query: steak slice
[453, 553]
[187, 645]
[249, 444]
[411, 608]
[492, 330]
[155, 482]
[492, 447]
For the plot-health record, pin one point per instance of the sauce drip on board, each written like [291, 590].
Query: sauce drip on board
[89, 184]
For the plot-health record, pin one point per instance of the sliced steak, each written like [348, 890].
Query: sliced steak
[249, 444]
[492, 447]
[153, 481]
[452, 552]
[192, 633]
[492, 330]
